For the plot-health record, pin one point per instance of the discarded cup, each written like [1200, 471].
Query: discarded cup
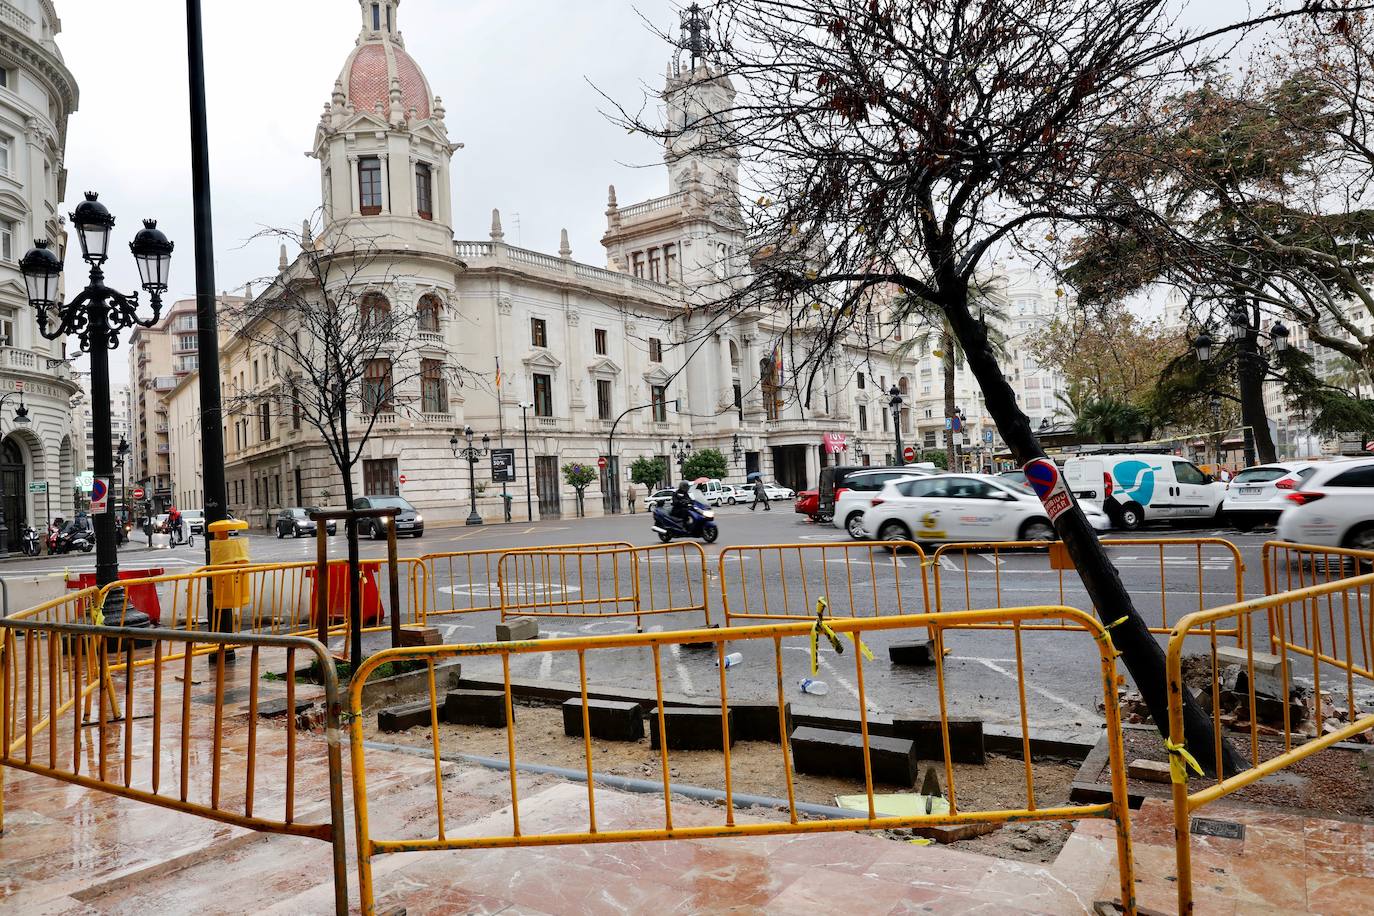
[733, 659]
[814, 687]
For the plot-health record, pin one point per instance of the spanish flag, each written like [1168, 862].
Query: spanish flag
[498, 372]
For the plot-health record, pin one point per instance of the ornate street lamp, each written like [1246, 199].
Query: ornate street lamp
[735, 449]
[682, 450]
[894, 404]
[472, 456]
[96, 317]
[1279, 335]
[1203, 344]
[21, 418]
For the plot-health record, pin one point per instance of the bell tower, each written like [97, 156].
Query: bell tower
[699, 97]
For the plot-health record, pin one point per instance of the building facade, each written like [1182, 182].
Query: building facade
[37, 94]
[559, 359]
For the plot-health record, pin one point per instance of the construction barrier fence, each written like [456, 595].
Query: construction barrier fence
[1320, 645]
[605, 582]
[467, 582]
[112, 709]
[990, 574]
[588, 823]
[858, 579]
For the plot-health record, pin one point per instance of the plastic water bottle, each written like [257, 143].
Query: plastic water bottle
[731, 660]
[814, 687]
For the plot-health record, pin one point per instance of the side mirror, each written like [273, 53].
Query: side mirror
[1208, 478]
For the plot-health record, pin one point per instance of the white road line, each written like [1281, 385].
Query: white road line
[686, 679]
[546, 666]
[947, 563]
[992, 560]
[845, 683]
[1052, 697]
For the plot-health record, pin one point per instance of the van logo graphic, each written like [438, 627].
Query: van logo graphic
[1137, 479]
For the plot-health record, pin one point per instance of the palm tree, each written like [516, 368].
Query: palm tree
[1109, 420]
[934, 326]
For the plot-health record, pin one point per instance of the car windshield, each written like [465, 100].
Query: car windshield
[192, 513]
[298, 513]
[388, 502]
[1017, 485]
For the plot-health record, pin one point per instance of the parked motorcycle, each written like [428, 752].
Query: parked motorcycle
[74, 538]
[700, 523]
[30, 541]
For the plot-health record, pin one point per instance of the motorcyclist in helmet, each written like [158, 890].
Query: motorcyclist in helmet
[682, 502]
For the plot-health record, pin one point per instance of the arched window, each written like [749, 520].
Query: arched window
[375, 310]
[427, 313]
[734, 357]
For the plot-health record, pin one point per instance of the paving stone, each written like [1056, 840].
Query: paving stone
[476, 707]
[611, 720]
[825, 752]
[277, 706]
[403, 716]
[517, 629]
[1148, 771]
[758, 722]
[690, 729]
[920, 652]
[421, 636]
[965, 738]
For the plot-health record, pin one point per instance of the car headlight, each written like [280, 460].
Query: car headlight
[708, 514]
[419, 519]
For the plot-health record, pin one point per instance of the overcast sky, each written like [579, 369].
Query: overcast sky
[515, 77]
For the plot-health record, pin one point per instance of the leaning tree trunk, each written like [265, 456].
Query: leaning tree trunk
[947, 345]
[1141, 654]
[1259, 444]
[355, 617]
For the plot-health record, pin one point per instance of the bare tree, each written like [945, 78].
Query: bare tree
[343, 356]
[905, 144]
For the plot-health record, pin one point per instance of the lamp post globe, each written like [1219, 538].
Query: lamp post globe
[1203, 344]
[894, 404]
[1279, 333]
[153, 255]
[93, 223]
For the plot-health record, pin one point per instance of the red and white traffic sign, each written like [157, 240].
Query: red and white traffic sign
[139, 493]
[908, 454]
[403, 478]
[100, 495]
[1044, 477]
[601, 462]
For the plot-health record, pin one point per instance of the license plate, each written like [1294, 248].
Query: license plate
[405, 524]
[1251, 491]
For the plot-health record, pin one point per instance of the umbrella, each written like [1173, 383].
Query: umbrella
[702, 480]
[753, 475]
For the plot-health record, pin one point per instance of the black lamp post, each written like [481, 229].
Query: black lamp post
[95, 317]
[21, 418]
[894, 404]
[682, 450]
[121, 455]
[736, 450]
[472, 456]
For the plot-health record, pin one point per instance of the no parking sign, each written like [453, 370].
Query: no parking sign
[1048, 484]
[100, 495]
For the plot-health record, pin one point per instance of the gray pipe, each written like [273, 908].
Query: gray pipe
[625, 783]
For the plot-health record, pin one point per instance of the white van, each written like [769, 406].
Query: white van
[1135, 489]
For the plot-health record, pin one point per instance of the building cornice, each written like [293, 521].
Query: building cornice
[45, 64]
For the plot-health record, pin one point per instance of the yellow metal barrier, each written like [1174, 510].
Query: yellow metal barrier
[1320, 633]
[1178, 561]
[55, 677]
[466, 581]
[1289, 566]
[605, 582]
[859, 579]
[583, 824]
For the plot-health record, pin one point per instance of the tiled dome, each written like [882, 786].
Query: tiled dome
[368, 72]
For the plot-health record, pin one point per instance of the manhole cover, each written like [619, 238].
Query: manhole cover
[1230, 830]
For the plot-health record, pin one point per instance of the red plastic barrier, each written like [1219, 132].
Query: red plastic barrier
[143, 597]
[370, 596]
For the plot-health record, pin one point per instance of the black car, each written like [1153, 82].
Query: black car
[408, 520]
[296, 521]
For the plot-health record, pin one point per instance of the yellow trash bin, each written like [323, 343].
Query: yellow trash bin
[231, 592]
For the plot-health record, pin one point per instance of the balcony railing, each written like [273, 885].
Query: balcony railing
[546, 422]
[164, 449]
[649, 206]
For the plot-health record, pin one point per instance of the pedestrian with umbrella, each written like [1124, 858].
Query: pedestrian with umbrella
[760, 494]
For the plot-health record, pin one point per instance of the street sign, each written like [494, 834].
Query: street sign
[1048, 483]
[503, 465]
[949, 422]
[100, 494]
[403, 478]
[38, 487]
[601, 462]
[987, 436]
[84, 481]
[908, 454]
[138, 493]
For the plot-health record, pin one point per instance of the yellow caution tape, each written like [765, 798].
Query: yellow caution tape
[1119, 621]
[821, 627]
[98, 613]
[1179, 761]
[867, 652]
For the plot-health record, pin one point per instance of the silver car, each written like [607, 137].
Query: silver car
[1258, 495]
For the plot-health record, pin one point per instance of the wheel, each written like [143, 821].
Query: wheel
[374, 531]
[664, 537]
[279, 533]
[710, 533]
[1130, 516]
[731, 500]
[1036, 529]
[855, 526]
[87, 547]
[893, 531]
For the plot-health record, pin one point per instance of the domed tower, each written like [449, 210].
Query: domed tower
[382, 143]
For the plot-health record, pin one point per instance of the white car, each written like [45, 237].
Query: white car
[775, 492]
[856, 492]
[1258, 495]
[1333, 507]
[963, 507]
[735, 494]
[1139, 488]
[659, 498]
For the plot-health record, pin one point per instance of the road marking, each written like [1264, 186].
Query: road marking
[994, 561]
[546, 666]
[947, 563]
[1052, 697]
[824, 537]
[687, 686]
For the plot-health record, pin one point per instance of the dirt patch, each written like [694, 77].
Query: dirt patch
[756, 768]
[1333, 781]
